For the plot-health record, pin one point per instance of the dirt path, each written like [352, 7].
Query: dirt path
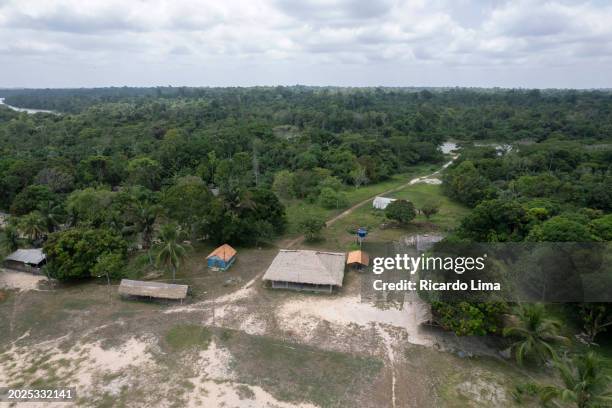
[296, 241]
[393, 190]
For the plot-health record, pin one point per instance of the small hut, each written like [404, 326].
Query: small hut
[314, 271]
[27, 260]
[157, 290]
[221, 258]
[380, 203]
[358, 260]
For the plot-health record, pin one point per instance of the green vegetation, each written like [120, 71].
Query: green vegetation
[401, 211]
[302, 373]
[171, 252]
[536, 334]
[188, 336]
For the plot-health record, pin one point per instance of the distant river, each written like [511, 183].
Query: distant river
[31, 111]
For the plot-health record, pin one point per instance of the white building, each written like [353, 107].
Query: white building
[380, 203]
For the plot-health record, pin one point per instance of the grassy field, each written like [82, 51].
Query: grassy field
[341, 235]
[297, 210]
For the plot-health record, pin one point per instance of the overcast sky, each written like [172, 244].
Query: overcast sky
[74, 43]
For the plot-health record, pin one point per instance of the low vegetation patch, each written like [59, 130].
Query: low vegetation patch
[187, 336]
[295, 372]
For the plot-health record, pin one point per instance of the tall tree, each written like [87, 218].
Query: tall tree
[171, 252]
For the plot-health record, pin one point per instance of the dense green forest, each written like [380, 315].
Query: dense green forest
[217, 160]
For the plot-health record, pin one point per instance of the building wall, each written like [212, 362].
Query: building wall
[19, 266]
[307, 287]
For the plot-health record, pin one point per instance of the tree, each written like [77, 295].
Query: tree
[585, 384]
[465, 184]
[329, 198]
[33, 226]
[171, 252]
[401, 211]
[311, 227]
[283, 184]
[536, 333]
[30, 198]
[90, 206]
[602, 227]
[596, 318]
[430, 209]
[188, 202]
[143, 216]
[52, 214]
[469, 319]
[58, 180]
[145, 172]
[110, 265]
[9, 240]
[358, 176]
[74, 253]
[561, 229]
[495, 221]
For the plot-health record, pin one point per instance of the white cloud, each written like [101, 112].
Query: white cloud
[281, 40]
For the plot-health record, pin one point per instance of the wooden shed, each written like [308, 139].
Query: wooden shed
[315, 271]
[27, 260]
[221, 258]
[358, 259]
[157, 290]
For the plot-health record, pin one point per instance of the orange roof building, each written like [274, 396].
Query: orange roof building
[221, 258]
[358, 257]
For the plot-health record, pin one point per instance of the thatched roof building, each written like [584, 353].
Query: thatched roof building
[306, 270]
[157, 290]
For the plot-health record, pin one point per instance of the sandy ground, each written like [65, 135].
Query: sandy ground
[19, 280]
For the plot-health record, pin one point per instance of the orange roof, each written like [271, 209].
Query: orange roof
[359, 257]
[224, 252]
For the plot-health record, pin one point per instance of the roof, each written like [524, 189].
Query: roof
[382, 202]
[224, 252]
[153, 289]
[28, 256]
[302, 266]
[359, 257]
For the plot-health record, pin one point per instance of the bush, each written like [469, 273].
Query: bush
[311, 227]
[469, 319]
[330, 198]
[401, 211]
[112, 265]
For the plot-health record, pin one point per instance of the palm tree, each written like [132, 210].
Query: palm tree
[171, 252]
[52, 214]
[585, 383]
[9, 240]
[33, 226]
[536, 333]
[144, 217]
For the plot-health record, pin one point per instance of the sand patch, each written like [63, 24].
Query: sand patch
[426, 180]
[19, 280]
[83, 366]
[215, 362]
[302, 314]
[235, 395]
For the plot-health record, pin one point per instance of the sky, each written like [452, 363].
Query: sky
[488, 43]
